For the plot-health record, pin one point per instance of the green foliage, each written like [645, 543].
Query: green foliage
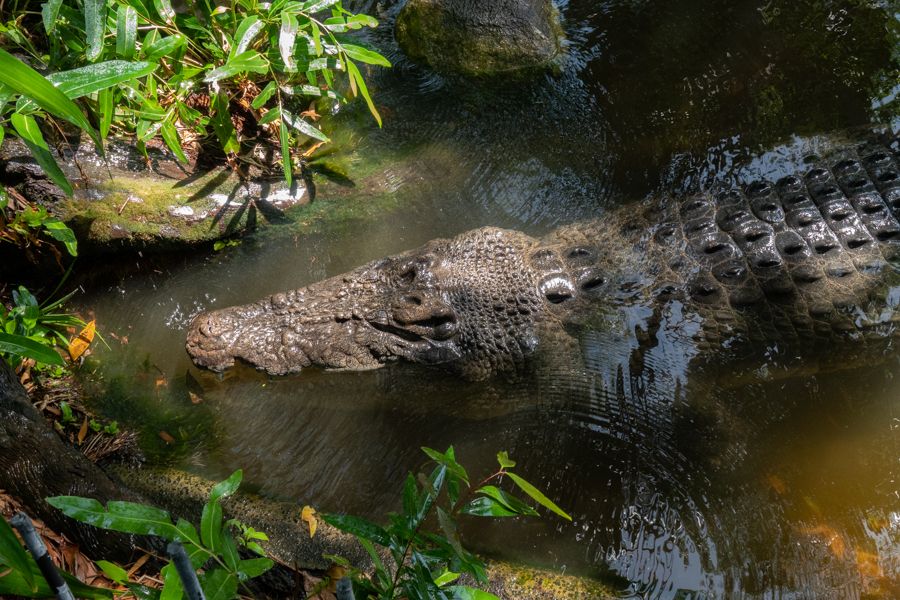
[213, 551]
[426, 564]
[24, 226]
[140, 67]
[20, 575]
[32, 330]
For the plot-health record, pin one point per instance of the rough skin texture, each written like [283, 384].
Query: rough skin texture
[810, 257]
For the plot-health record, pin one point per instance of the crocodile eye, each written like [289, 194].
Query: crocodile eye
[408, 273]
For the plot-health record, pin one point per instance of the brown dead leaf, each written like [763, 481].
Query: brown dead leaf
[166, 437]
[867, 564]
[161, 381]
[307, 514]
[311, 114]
[832, 538]
[82, 433]
[82, 341]
[138, 564]
[195, 398]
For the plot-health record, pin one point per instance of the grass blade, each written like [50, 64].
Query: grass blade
[286, 152]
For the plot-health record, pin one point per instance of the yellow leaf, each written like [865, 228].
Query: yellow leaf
[82, 433]
[81, 341]
[308, 515]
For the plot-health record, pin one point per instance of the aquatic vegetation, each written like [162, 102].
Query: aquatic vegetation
[425, 564]
[246, 74]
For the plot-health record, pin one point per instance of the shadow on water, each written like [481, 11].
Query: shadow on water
[686, 479]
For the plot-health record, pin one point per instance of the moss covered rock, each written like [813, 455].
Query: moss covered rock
[476, 38]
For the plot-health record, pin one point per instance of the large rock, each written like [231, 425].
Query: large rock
[478, 38]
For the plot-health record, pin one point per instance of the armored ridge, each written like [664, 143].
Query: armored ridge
[807, 257]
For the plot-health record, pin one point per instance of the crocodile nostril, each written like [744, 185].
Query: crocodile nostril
[413, 299]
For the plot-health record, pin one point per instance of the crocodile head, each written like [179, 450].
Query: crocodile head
[474, 303]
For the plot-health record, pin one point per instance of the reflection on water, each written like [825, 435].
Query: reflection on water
[686, 479]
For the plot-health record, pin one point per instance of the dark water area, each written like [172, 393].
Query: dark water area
[763, 478]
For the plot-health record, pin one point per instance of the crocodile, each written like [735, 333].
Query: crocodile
[811, 257]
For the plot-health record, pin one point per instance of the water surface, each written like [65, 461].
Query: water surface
[771, 479]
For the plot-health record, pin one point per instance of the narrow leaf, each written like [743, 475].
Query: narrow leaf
[126, 517]
[165, 10]
[285, 139]
[357, 77]
[49, 14]
[219, 584]
[170, 137]
[23, 79]
[94, 25]
[92, 78]
[246, 31]
[254, 567]
[164, 46]
[504, 460]
[287, 35]
[537, 496]
[28, 130]
[365, 55]
[462, 592]
[250, 61]
[448, 461]
[106, 109]
[126, 31]
[211, 526]
[303, 126]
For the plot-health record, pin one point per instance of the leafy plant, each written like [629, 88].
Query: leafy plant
[426, 564]
[21, 576]
[23, 224]
[242, 72]
[32, 330]
[213, 551]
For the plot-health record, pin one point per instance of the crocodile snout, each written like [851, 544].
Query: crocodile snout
[210, 339]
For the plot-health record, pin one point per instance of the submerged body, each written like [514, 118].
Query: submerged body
[809, 257]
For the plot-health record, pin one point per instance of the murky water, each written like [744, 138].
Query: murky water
[685, 482]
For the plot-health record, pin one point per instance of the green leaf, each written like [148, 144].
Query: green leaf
[359, 527]
[508, 500]
[448, 526]
[94, 20]
[165, 10]
[23, 79]
[504, 460]
[254, 567]
[380, 572]
[28, 130]
[164, 46]
[219, 584]
[484, 506]
[249, 61]
[106, 109]
[271, 115]
[287, 35]
[13, 555]
[127, 517]
[462, 592]
[365, 55]
[172, 587]
[61, 232]
[285, 139]
[92, 78]
[211, 526]
[49, 14]
[221, 122]
[264, 95]
[225, 488]
[126, 31]
[113, 571]
[314, 6]
[170, 137]
[361, 84]
[303, 126]
[537, 496]
[246, 31]
[445, 578]
[447, 459]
